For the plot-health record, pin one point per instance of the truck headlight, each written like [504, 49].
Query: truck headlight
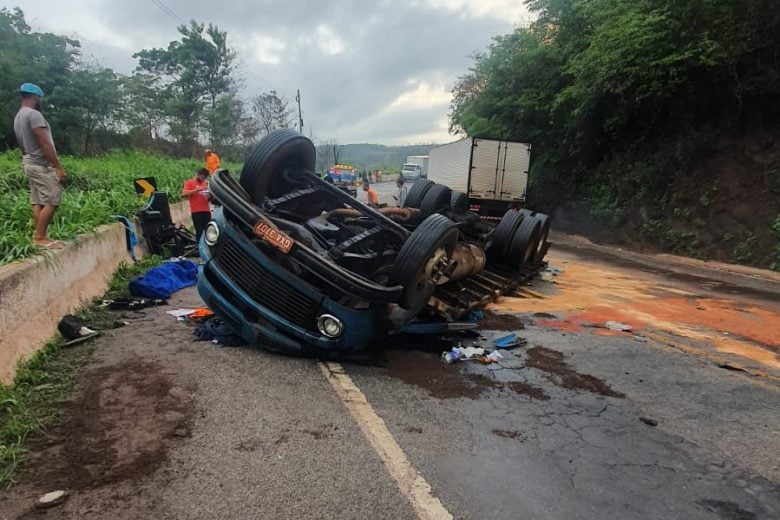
[211, 233]
[330, 325]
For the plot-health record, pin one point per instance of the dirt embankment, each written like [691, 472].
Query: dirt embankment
[722, 207]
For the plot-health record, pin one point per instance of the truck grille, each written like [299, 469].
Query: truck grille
[264, 288]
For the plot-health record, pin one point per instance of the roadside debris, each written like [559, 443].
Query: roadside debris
[51, 499]
[648, 421]
[218, 332]
[508, 341]
[134, 304]
[74, 330]
[164, 280]
[616, 325]
[196, 315]
[478, 354]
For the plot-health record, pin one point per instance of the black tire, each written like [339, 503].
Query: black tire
[459, 202]
[416, 194]
[436, 199]
[502, 237]
[524, 245]
[545, 221]
[409, 270]
[281, 149]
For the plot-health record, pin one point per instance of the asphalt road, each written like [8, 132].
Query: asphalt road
[678, 419]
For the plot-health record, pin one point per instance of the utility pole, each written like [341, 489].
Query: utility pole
[300, 117]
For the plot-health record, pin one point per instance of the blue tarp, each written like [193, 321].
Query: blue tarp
[164, 280]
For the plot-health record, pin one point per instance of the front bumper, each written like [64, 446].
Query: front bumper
[269, 306]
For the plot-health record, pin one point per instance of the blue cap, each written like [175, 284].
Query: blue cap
[31, 88]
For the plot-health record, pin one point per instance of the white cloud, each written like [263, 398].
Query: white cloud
[328, 40]
[511, 10]
[424, 95]
[266, 49]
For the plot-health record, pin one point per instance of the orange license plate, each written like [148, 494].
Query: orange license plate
[273, 236]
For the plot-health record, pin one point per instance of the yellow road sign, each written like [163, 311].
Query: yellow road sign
[145, 186]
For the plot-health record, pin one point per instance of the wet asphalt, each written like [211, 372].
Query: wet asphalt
[568, 426]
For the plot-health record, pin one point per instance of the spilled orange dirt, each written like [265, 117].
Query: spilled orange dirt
[589, 294]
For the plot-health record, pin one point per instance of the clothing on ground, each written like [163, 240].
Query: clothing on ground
[25, 121]
[45, 187]
[217, 331]
[164, 280]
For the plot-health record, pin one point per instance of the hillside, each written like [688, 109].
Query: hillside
[374, 156]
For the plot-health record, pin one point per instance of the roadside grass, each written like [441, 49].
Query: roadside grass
[98, 188]
[33, 402]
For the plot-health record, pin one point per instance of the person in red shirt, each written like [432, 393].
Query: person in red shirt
[197, 192]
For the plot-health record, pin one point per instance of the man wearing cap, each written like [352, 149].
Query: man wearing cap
[40, 162]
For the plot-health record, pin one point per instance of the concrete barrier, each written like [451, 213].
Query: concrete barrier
[36, 293]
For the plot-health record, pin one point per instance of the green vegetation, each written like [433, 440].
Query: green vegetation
[99, 188]
[44, 382]
[178, 96]
[657, 114]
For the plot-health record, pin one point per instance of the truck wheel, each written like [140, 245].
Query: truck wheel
[502, 237]
[280, 150]
[436, 199]
[415, 196]
[544, 220]
[420, 259]
[524, 245]
[459, 202]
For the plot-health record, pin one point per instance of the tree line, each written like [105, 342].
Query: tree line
[590, 79]
[623, 100]
[177, 99]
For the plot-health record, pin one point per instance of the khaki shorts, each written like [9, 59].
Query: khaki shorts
[45, 187]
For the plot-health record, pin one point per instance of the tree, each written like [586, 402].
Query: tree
[328, 153]
[87, 102]
[195, 72]
[272, 112]
[143, 109]
[42, 58]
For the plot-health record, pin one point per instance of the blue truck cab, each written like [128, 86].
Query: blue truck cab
[268, 305]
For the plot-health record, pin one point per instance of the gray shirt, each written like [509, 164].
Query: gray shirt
[401, 196]
[26, 119]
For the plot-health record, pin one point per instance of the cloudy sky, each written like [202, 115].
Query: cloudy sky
[377, 71]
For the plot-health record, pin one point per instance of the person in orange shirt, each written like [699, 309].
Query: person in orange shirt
[197, 192]
[212, 161]
[372, 199]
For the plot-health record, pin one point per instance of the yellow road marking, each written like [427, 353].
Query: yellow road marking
[412, 485]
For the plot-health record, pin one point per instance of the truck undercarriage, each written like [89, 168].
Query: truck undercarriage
[297, 265]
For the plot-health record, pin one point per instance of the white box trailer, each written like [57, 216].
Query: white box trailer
[493, 174]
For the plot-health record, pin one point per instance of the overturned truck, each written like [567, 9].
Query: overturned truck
[296, 265]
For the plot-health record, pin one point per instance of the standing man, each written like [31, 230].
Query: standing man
[372, 199]
[196, 190]
[212, 161]
[401, 197]
[40, 162]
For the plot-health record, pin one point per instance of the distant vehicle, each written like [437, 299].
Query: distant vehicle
[343, 176]
[415, 167]
[492, 174]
